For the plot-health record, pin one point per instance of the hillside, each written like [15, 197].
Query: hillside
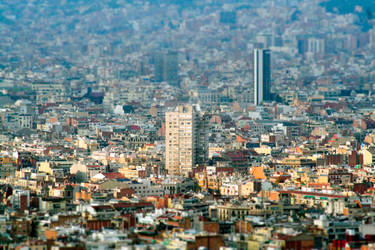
[364, 9]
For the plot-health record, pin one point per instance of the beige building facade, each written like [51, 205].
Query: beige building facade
[185, 140]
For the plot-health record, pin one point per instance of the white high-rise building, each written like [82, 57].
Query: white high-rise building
[315, 46]
[185, 140]
[372, 38]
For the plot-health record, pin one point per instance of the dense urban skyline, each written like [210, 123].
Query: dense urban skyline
[187, 124]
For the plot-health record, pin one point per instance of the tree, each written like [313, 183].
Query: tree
[80, 177]
[34, 228]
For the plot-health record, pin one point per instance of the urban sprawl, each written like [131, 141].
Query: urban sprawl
[187, 124]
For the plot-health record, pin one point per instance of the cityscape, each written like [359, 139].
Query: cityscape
[187, 124]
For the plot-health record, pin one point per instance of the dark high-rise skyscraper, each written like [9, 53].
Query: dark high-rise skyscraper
[166, 68]
[262, 76]
[159, 67]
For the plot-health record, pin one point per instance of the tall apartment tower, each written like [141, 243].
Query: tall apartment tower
[185, 140]
[262, 76]
[166, 67]
[316, 46]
